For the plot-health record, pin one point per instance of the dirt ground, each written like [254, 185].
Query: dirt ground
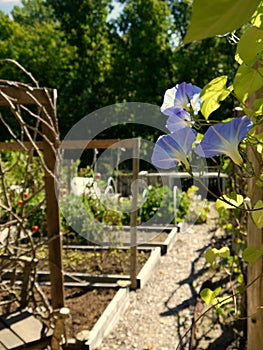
[86, 304]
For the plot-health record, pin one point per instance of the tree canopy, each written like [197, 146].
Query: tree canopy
[94, 61]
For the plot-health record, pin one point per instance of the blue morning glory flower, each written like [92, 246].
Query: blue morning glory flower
[173, 148]
[179, 120]
[182, 96]
[224, 138]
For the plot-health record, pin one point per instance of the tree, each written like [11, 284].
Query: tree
[34, 39]
[141, 56]
[83, 24]
[142, 52]
[95, 62]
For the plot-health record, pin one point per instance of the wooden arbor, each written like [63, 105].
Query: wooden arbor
[134, 145]
[43, 133]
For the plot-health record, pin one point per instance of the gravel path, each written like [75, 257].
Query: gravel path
[160, 313]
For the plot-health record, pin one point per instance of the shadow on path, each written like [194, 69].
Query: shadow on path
[214, 335]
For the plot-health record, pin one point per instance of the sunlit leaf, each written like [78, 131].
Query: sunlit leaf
[213, 93]
[260, 149]
[210, 18]
[238, 58]
[235, 199]
[240, 278]
[257, 215]
[258, 106]
[247, 81]
[250, 45]
[209, 295]
[251, 254]
[222, 301]
[259, 182]
[211, 255]
[257, 18]
[224, 252]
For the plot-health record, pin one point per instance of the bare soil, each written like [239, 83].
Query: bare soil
[86, 304]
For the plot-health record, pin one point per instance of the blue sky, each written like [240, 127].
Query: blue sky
[7, 6]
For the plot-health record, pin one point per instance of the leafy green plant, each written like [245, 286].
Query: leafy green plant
[22, 190]
[191, 207]
[158, 205]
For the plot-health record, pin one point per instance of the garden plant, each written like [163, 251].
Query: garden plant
[189, 108]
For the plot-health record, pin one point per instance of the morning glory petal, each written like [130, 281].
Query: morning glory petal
[173, 148]
[196, 102]
[178, 119]
[186, 92]
[224, 139]
[184, 96]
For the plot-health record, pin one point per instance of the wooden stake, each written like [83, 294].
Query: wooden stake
[53, 219]
[133, 220]
[255, 239]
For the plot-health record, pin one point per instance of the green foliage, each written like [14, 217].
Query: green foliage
[94, 62]
[141, 53]
[251, 254]
[88, 216]
[248, 80]
[158, 204]
[229, 201]
[213, 93]
[210, 18]
[29, 41]
[191, 208]
[158, 207]
[209, 296]
[249, 47]
[22, 189]
[257, 214]
[212, 254]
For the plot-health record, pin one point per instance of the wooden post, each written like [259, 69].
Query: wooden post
[133, 220]
[29, 263]
[255, 239]
[53, 220]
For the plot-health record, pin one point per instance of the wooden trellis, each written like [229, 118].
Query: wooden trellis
[38, 134]
[15, 95]
[18, 97]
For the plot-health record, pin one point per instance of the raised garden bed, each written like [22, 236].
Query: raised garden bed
[87, 266]
[96, 301]
[83, 332]
[164, 238]
[115, 308]
[147, 236]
